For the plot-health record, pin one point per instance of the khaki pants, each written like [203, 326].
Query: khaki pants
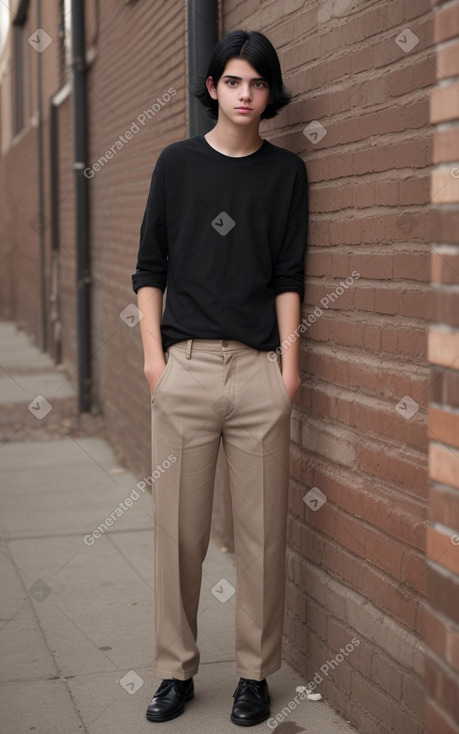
[214, 390]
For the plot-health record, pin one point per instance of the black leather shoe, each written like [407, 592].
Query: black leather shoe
[251, 702]
[169, 700]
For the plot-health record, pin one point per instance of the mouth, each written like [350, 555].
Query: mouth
[244, 109]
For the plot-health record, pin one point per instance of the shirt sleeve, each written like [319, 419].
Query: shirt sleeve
[289, 266]
[151, 269]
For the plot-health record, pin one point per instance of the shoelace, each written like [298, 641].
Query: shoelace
[165, 687]
[253, 685]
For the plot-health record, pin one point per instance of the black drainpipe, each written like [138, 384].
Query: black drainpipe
[83, 277]
[202, 38]
[41, 202]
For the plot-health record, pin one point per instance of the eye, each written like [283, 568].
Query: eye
[231, 82]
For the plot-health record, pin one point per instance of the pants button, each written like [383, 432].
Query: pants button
[225, 343]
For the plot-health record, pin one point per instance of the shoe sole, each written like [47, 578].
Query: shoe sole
[152, 717]
[254, 722]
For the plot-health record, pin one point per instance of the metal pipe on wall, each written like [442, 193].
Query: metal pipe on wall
[202, 19]
[41, 202]
[83, 274]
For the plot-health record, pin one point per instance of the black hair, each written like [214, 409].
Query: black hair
[258, 51]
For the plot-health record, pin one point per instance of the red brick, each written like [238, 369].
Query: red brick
[372, 334]
[443, 594]
[349, 333]
[444, 186]
[444, 386]
[443, 347]
[446, 23]
[341, 268]
[444, 104]
[438, 721]
[383, 552]
[444, 464]
[396, 515]
[349, 534]
[414, 572]
[446, 307]
[322, 519]
[318, 263]
[444, 505]
[445, 265]
[444, 426]
[433, 631]
[373, 229]
[442, 686]
[412, 265]
[343, 488]
[416, 303]
[441, 550]
[447, 63]
[417, 114]
[443, 225]
[339, 562]
[407, 471]
[401, 81]
[352, 232]
[452, 648]
[445, 146]
[387, 300]
[392, 597]
[373, 265]
[414, 190]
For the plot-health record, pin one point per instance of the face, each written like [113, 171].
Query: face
[241, 92]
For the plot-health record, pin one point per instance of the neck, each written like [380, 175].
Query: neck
[234, 140]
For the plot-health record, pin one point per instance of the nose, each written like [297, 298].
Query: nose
[245, 93]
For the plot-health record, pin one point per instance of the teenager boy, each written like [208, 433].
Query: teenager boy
[225, 229]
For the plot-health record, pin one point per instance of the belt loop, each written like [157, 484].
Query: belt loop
[188, 348]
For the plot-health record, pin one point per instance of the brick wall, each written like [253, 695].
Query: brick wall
[441, 623]
[20, 279]
[140, 57]
[358, 502]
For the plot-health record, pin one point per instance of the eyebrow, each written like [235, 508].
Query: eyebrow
[239, 78]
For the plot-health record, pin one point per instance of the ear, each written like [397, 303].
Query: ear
[211, 87]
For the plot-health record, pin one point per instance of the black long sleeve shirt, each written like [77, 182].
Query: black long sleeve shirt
[226, 235]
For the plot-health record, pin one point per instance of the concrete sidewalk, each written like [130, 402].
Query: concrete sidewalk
[76, 617]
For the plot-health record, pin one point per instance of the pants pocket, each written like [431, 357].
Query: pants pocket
[163, 376]
[278, 369]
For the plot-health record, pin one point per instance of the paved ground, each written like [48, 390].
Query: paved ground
[76, 618]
